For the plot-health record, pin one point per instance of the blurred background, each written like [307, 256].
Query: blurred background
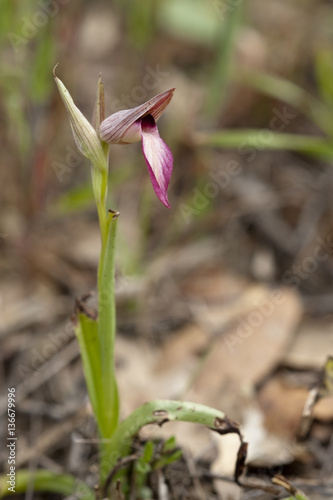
[227, 297]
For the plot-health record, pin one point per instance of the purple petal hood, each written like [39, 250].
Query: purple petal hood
[114, 127]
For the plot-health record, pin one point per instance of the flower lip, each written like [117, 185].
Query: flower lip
[114, 127]
[158, 158]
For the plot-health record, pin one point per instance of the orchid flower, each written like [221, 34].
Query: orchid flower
[133, 125]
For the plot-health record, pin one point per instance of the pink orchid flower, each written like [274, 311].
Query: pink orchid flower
[133, 125]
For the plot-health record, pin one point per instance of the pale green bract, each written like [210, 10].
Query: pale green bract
[85, 136]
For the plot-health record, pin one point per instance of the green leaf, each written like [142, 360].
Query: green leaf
[168, 459]
[142, 468]
[46, 481]
[324, 73]
[225, 49]
[40, 82]
[148, 451]
[265, 139]
[297, 496]
[169, 444]
[289, 93]
[87, 335]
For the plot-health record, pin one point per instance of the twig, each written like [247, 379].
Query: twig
[122, 463]
[246, 483]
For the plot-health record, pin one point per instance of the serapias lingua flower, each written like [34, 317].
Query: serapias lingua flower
[133, 125]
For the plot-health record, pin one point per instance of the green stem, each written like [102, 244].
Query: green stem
[106, 336]
[103, 227]
[107, 324]
[100, 188]
[106, 303]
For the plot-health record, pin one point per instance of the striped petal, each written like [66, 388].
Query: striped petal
[158, 158]
[120, 128]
